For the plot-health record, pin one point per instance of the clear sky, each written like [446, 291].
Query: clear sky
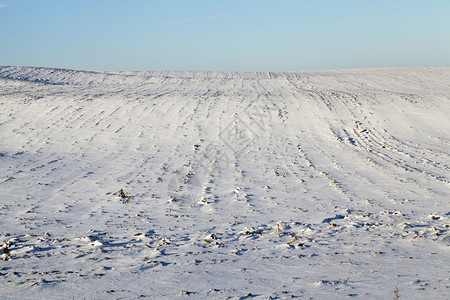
[227, 35]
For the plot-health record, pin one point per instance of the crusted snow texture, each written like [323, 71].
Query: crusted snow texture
[319, 185]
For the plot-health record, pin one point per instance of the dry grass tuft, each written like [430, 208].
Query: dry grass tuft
[396, 293]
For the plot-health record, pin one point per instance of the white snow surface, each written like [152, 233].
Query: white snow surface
[316, 185]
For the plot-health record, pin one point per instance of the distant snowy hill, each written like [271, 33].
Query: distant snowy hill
[322, 184]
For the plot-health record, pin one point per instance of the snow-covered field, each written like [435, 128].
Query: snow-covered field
[320, 185]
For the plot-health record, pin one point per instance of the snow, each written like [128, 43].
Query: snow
[322, 185]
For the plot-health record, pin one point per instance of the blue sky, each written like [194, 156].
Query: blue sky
[244, 35]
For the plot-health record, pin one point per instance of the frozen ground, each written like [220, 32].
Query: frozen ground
[321, 185]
